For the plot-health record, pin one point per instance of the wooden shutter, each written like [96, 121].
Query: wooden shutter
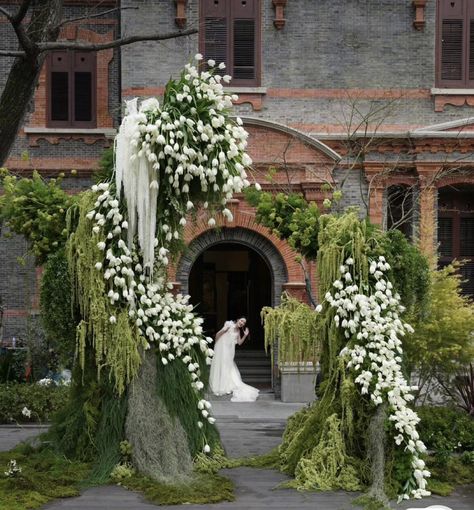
[244, 16]
[84, 65]
[230, 33]
[452, 39]
[215, 31]
[58, 88]
[72, 89]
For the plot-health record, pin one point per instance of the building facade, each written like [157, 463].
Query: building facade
[372, 97]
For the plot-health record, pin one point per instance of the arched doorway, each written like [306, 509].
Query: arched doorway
[234, 272]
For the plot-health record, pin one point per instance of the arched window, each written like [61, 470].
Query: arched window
[456, 231]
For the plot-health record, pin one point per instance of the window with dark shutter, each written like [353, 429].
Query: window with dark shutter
[230, 33]
[244, 49]
[71, 89]
[456, 232]
[445, 237]
[455, 44]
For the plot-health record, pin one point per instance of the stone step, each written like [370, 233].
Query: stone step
[263, 395]
[251, 354]
[249, 362]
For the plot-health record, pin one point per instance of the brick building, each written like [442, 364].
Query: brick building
[373, 97]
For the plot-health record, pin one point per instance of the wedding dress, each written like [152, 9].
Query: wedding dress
[225, 376]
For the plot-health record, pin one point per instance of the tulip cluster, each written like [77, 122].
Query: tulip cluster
[369, 314]
[172, 157]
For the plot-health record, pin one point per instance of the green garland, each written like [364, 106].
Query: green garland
[116, 346]
[294, 328]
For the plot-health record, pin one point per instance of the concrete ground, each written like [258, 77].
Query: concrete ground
[246, 429]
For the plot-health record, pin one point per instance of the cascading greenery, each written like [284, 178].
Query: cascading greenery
[327, 445]
[116, 345]
[57, 316]
[293, 327]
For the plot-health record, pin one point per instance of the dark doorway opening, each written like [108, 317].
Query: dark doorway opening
[228, 281]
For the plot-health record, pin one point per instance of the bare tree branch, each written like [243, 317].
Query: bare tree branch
[123, 41]
[12, 53]
[20, 15]
[7, 15]
[98, 15]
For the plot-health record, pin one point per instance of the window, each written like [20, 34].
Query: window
[71, 89]
[456, 232]
[455, 51]
[231, 34]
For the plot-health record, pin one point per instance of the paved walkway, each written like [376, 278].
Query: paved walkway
[246, 429]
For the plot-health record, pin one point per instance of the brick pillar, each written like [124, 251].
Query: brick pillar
[376, 212]
[428, 212]
[374, 173]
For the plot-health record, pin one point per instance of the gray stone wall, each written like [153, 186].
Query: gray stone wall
[325, 44]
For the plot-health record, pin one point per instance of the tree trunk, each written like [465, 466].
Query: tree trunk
[159, 443]
[376, 454]
[23, 76]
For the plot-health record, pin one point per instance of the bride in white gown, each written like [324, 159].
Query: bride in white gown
[225, 376]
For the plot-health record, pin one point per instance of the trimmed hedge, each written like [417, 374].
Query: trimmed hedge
[42, 401]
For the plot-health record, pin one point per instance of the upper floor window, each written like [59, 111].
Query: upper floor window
[455, 44]
[230, 33]
[71, 89]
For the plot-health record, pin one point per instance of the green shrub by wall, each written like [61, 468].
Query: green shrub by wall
[42, 401]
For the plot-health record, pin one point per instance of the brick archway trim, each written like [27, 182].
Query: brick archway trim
[299, 135]
[240, 236]
[280, 257]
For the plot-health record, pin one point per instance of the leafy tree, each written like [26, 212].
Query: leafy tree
[444, 334]
[36, 209]
[290, 217]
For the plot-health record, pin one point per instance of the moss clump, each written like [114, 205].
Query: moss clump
[173, 383]
[158, 441]
[45, 476]
[201, 489]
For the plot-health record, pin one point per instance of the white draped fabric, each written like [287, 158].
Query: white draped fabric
[134, 174]
[225, 376]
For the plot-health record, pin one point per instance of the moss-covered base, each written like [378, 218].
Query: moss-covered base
[200, 489]
[46, 475]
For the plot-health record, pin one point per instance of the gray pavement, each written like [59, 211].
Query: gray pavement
[246, 429]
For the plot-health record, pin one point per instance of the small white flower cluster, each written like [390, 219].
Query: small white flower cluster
[26, 412]
[369, 315]
[13, 469]
[181, 153]
[163, 319]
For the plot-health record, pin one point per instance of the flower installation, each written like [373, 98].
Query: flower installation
[369, 314]
[170, 159]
